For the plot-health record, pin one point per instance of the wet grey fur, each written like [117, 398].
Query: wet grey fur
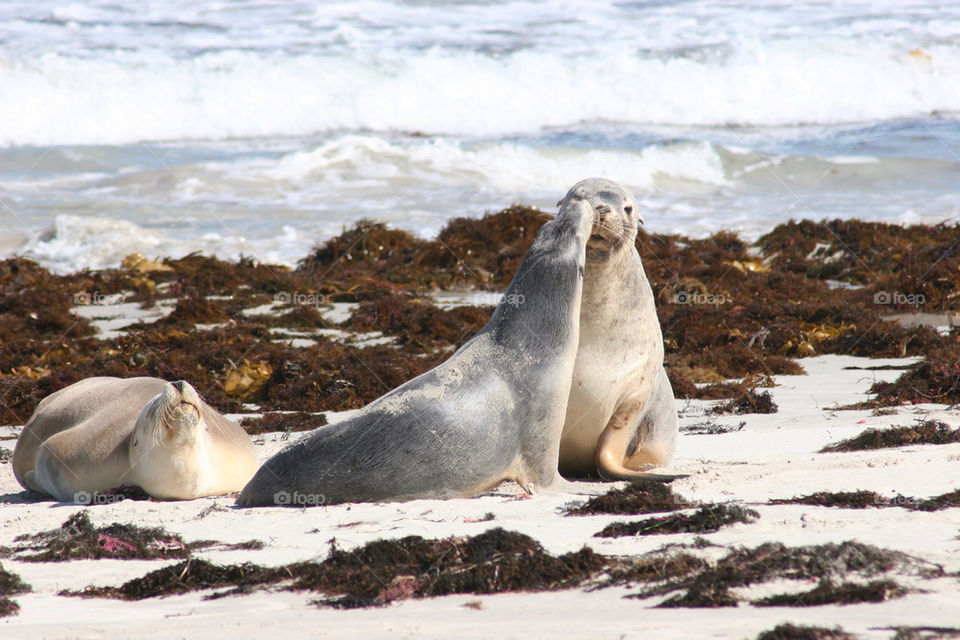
[493, 411]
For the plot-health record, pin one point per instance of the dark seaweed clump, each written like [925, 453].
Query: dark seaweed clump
[640, 496]
[924, 432]
[826, 592]
[705, 520]
[944, 501]
[924, 633]
[749, 401]
[743, 567]
[935, 379]
[469, 252]
[386, 570]
[287, 422]
[77, 538]
[790, 631]
[10, 585]
[846, 499]
[190, 575]
[418, 322]
[864, 499]
[492, 562]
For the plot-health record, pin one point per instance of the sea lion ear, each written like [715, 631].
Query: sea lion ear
[559, 202]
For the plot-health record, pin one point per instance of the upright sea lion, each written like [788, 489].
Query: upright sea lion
[102, 433]
[492, 412]
[621, 416]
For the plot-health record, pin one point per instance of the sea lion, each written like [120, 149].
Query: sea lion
[621, 416]
[101, 433]
[492, 412]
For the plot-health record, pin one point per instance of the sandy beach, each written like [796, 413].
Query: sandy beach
[766, 457]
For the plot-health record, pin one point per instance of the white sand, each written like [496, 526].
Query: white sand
[772, 456]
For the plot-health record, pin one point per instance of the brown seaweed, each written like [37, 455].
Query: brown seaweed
[924, 432]
[706, 519]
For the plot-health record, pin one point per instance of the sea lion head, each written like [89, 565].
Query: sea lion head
[172, 416]
[616, 217]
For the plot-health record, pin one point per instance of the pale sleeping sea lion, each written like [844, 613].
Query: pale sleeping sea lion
[621, 416]
[492, 412]
[103, 433]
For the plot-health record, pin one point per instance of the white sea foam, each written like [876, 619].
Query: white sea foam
[262, 128]
[130, 97]
[88, 242]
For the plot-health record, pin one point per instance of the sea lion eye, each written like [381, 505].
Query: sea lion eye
[628, 209]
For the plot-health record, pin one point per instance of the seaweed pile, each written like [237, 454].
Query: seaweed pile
[923, 432]
[640, 496]
[704, 520]
[385, 571]
[79, 539]
[831, 565]
[790, 631]
[10, 585]
[865, 499]
[728, 311]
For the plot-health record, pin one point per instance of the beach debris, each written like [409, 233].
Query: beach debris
[245, 380]
[286, 422]
[748, 401]
[78, 538]
[711, 427]
[193, 310]
[10, 585]
[864, 499]
[701, 596]
[741, 567]
[189, 575]
[826, 592]
[845, 499]
[383, 571]
[418, 322]
[923, 432]
[936, 503]
[923, 633]
[138, 263]
[31, 373]
[491, 562]
[656, 566]
[640, 496]
[706, 519]
[935, 379]
[790, 631]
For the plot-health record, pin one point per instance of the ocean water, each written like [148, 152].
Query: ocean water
[261, 128]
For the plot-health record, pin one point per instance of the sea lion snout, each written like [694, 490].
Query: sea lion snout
[181, 392]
